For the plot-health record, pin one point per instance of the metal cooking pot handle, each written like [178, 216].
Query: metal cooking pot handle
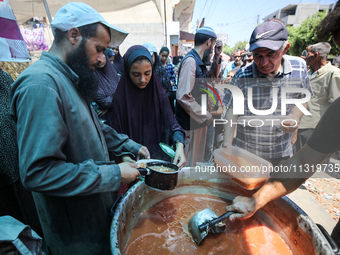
[144, 171]
[204, 226]
[113, 207]
[330, 240]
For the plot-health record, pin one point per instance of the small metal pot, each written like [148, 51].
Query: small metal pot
[160, 180]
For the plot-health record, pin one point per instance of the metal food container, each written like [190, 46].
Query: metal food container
[297, 230]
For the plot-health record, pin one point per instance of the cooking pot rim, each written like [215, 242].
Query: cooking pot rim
[139, 193]
[159, 163]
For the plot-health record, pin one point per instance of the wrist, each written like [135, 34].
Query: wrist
[294, 116]
[179, 144]
[217, 58]
[258, 202]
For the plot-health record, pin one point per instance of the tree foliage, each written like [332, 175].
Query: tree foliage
[238, 46]
[227, 50]
[300, 37]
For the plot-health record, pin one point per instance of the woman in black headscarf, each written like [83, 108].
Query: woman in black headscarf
[141, 108]
[107, 79]
[118, 60]
[162, 74]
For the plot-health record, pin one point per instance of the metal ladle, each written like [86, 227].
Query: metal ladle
[205, 222]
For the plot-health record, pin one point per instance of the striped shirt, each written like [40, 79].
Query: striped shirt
[268, 141]
[171, 72]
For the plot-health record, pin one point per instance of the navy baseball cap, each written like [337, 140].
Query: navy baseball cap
[270, 34]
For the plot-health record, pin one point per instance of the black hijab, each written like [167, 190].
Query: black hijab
[119, 62]
[107, 79]
[145, 114]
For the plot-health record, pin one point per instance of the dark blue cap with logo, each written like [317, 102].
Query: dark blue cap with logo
[270, 34]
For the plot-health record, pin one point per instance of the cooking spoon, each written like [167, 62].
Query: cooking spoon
[206, 221]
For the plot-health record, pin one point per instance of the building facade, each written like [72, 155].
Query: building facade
[294, 14]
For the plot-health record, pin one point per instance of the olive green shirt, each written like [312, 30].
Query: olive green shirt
[325, 84]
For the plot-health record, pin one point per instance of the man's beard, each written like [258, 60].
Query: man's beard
[78, 61]
[238, 62]
[206, 57]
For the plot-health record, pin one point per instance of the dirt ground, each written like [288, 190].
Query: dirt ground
[325, 188]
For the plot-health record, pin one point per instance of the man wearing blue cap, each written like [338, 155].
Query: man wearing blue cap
[270, 73]
[192, 77]
[63, 147]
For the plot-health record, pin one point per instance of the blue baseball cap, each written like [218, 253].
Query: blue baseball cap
[270, 34]
[151, 48]
[207, 31]
[76, 14]
[109, 52]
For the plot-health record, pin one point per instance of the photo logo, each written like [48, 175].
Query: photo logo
[204, 97]
[259, 118]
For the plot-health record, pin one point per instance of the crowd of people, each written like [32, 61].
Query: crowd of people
[80, 117]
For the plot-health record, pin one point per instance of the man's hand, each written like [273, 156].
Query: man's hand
[218, 47]
[128, 159]
[294, 137]
[180, 159]
[244, 207]
[128, 172]
[144, 152]
[290, 126]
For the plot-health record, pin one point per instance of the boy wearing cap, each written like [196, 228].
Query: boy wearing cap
[270, 72]
[63, 147]
[192, 76]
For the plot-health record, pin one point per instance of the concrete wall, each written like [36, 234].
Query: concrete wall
[144, 24]
[140, 33]
[183, 13]
[143, 13]
[303, 11]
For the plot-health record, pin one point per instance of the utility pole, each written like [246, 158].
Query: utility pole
[222, 36]
[258, 19]
[165, 28]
